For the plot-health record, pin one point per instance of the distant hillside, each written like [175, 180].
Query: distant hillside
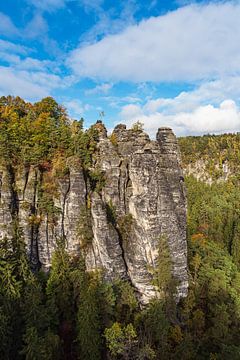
[211, 157]
[96, 244]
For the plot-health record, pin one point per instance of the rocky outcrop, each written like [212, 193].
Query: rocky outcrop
[200, 170]
[116, 226]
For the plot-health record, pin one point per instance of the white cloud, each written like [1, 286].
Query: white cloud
[192, 43]
[37, 26]
[210, 107]
[210, 119]
[210, 92]
[28, 85]
[8, 57]
[16, 56]
[47, 5]
[34, 64]
[6, 26]
[53, 5]
[91, 5]
[28, 77]
[13, 48]
[99, 89]
[25, 76]
[110, 21]
[117, 102]
[76, 108]
[203, 119]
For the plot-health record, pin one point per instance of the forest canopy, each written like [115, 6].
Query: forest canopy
[69, 313]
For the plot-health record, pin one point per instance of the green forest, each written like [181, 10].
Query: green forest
[69, 313]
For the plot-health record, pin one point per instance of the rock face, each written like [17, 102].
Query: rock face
[199, 170]
[118, 226]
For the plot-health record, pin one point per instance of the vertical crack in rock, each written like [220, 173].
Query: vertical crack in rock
[47, 237]
[120, 241]
[35, 221]
[105, 252]
[14, 203]
[127, 188]
[174, 202]
[26, 176]
[1, 183]
[6, 219]
[65, 195]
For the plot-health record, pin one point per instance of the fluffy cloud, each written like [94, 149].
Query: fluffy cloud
[28, 77]
[212, 107]
[210, 92]
[203, 119]
[192, 43]
[76, 108]
[110, 21]
[16, 56]
[37, 26]
[7, 27]
[28, 85]
[99, 89]
[8, 46]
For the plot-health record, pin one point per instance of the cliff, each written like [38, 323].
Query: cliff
[211, 158]
[114, 214]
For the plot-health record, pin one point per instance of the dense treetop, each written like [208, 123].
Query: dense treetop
[73, 314]
[35, 134]
[214, 150]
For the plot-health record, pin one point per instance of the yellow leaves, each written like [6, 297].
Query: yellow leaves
[40, 121]
[35, 219]
[113, 139]
[196, 261]
[176, 335]
[199, 239]
[99, 126]
[49, 184]
[214, 151]
[88, 201]
[26, 205]
[74, 162]
[60, 168]
[9, 113]
[137, 126]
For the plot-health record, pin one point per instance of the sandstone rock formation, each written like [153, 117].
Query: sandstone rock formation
[116, 227]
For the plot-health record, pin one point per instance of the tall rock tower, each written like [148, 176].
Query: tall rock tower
[117, 226]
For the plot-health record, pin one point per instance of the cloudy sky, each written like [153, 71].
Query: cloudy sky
[165, 63]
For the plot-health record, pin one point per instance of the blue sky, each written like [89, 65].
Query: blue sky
[165, 63]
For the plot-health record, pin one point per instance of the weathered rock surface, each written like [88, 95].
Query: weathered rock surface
[199, 170]
[143, 199]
